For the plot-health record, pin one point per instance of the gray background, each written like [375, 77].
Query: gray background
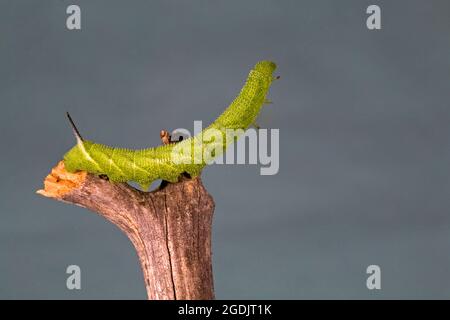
[364, 126]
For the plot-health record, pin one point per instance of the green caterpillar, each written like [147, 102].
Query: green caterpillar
[190, 156]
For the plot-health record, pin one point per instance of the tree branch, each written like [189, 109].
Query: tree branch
[170, 227]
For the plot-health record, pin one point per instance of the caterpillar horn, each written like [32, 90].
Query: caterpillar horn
[74, 128]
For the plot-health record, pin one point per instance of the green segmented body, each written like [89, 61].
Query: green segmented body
[167, 162]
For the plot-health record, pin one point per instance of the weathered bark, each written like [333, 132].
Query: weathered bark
[169, 227]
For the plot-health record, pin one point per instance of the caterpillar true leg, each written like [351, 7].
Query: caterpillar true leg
[165, 136]
[257, 126]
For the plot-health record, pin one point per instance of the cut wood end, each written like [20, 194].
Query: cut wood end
[60, 182]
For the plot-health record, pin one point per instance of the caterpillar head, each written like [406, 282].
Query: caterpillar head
[263, 70]
[266, 68]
